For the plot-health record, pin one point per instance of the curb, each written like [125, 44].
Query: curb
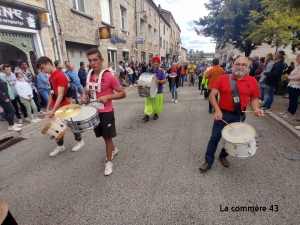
[283, 124]
[31, 127]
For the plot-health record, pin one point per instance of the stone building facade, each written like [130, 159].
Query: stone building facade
[22, 36]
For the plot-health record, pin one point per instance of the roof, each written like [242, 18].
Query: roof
[151, 2]
[166, 11]
[184, 48]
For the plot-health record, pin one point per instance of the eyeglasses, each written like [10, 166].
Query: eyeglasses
[241, 65]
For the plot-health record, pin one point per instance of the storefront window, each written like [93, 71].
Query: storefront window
[112, 58]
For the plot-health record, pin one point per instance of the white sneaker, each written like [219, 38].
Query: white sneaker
[41, 112]
[14, 128]
[260, 101]
[288, 114]
[18, 125]
[282, 113]
[108, 168]
[113, 153]
[173, 100]
[34, 121]
[27, 119]
[57, 150]
[297, 127]
[78, 146]
[130, 85]
[38, 119]
[176, 101]
[20, 121]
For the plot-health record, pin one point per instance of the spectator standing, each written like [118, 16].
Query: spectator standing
[255, 65]
[43, 85]
[82, 74]
[213, 75]
[273, 78]
[260, 68]
[262, 80]
[122, 73]
[11, 78]
[129, 70]
[73, 76]
[26, 96]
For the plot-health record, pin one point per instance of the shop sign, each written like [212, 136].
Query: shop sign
[104, 33]
[115, 39]
[45, 20]
[18, 17]
[139, 40]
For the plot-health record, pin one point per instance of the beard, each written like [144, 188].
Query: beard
[239, 72]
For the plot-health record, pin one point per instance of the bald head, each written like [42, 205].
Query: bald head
[71, 67]
[242, 60]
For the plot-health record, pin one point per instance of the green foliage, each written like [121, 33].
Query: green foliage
[284, 81]
[228, 22]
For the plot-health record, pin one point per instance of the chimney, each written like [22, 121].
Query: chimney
[159, 7]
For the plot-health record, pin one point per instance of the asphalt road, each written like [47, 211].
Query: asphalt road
[156, 179]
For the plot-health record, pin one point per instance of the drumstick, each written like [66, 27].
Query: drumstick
[228, 124]
[253, 112]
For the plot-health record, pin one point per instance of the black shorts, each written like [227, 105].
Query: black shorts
[106, 127]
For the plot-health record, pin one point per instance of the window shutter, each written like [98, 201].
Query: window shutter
[87, 7]
[105, 11]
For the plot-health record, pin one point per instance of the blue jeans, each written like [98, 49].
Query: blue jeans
[9, 112]
[262, 93]
[130, 80]
[181, 79]
[216, 136]
[78, 89]
[174, 90]
[270, 99]
[45, 94]
[294, 94]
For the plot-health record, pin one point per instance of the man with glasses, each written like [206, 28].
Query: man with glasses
[248, 91]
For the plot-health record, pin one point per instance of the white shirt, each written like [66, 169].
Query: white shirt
[24, 90]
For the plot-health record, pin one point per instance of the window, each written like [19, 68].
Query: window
[160, 42]
[143, 35]
[106, 11]
[150, 11]
[155, 15]
[164, 44]
[155, 37]
[123, 18]
[142, 5]
[112, 58]
[167, 45]
[164, 29]
[150, 33]
[81, 5]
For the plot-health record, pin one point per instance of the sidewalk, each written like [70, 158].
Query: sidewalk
[28, 127]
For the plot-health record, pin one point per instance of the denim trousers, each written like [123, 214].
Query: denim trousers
[174, 90]
[182, 76]
[294, 94]
[262, 93]
[45, 94]
[9, 112]
[130, 79]
[216, 135]
[270, 99]
[210, 108]
[78, 89]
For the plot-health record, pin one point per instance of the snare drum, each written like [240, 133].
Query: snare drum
[86, 120]
[147, 86]
[241, 141]
[55, 128]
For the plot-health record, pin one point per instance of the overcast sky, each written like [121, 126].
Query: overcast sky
[185, 12]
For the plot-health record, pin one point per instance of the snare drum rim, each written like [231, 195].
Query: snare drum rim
[88, 129]
[247, 142]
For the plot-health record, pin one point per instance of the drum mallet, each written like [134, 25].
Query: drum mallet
[228, 124]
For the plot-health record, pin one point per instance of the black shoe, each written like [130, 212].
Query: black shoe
[155, 117]
[146, 118]
[210, 112]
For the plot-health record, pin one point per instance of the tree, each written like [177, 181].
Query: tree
[281, 23]
[228, 22]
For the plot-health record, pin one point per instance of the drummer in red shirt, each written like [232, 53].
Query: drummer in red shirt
[101, 85]
[57, 98]
[248, 92]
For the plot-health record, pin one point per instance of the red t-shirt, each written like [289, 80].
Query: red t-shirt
[247, 88]
[109, 83]
[58, 79]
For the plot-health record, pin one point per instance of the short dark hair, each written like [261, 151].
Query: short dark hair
[94, 51]
[81, 63]
[18, 73]
[262, 59]
[56, 62]
[5, 66]
[282, 54]
[21, 63]
[215, 61]
[43, 61]
[66, 62]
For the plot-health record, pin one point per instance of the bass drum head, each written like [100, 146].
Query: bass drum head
[242, 133]
[153, 89]
[85, 113]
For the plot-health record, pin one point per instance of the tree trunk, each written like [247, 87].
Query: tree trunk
[248, 48]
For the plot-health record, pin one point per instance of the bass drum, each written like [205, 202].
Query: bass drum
[147, 86]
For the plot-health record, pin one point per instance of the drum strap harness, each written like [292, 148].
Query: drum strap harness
[235, 95]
